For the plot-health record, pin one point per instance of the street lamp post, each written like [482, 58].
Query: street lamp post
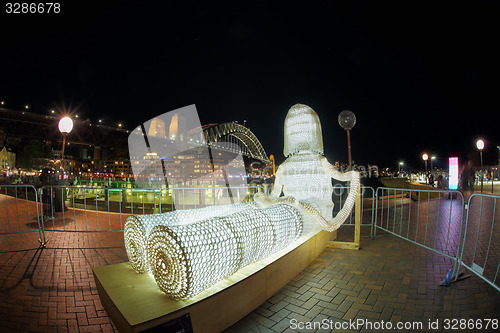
[347, 120]
[432, 159]
[425, 157]
[65, 126]
[480, 146]
[400, 165]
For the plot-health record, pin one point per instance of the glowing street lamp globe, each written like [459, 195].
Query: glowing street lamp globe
[480, 144]
[425, 157]
[65, 125]
[347, 119]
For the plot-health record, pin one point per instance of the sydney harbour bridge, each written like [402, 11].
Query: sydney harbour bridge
[89, 141]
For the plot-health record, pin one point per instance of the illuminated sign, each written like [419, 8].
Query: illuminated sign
[453, 173]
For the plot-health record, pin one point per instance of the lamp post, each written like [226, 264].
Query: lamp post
[347, 120]
[480, 146]
[65, 126]
[401, 165]
[432, 159]
[425, 157]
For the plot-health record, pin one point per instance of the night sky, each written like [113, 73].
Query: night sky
[420, 76]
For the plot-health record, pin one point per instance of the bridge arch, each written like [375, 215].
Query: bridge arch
[223, 136]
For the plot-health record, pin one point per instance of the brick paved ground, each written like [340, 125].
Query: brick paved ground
[389, 279]
[53, 289]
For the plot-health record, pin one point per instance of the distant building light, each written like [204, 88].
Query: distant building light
[453, 173]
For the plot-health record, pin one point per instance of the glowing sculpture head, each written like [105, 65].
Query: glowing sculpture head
[302, 131]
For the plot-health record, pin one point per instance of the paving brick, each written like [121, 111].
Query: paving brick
[314, 311]
[278, 306]
[310, 303]
[350, 314]
[306, 296]
[296, 309]
[282, 325]
[278, 316]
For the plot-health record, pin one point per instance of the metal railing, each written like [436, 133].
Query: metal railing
[19, 210]
[96, 209]
[340, 194]
[480, 251]
[438, 220]
[432, 219]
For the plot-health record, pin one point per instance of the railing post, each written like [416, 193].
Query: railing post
[357, 219]
[39, 213]
[354, 245]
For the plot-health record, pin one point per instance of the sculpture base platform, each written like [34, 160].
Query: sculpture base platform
[135, 303]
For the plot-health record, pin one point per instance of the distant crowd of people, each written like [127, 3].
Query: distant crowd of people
[469, 177]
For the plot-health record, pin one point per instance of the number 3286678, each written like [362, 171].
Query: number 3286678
[32, 8]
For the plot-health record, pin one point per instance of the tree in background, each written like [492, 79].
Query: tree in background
[31, 153]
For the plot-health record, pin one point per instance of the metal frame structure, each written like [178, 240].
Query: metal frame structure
[473, 252]
[16, 220]
[427, 218]
[439, 220]
[225, 136]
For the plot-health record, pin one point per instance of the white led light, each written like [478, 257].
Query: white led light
[306, 175]
[190, 250]
[187, 259]
[138, 227]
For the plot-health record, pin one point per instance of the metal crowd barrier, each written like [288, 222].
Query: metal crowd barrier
[340, 194]
[438, 220]
[19, 210]
[96, 209]
[481, 242]
[432, 219]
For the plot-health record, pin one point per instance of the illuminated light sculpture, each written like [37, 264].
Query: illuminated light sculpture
[138, 228]
[190, 250]
[187, 259]
[306, 174]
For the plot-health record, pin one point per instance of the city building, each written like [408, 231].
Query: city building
[7, 159]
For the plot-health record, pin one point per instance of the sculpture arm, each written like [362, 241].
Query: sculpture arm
[278, 181]
[354, 179]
